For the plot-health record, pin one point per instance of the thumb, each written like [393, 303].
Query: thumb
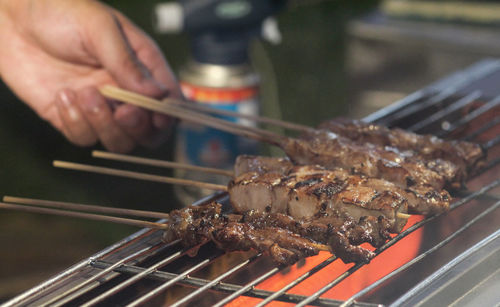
[116, 55]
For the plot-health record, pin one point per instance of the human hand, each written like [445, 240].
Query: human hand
[56, 53]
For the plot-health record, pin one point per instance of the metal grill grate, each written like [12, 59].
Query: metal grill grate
[137, 269]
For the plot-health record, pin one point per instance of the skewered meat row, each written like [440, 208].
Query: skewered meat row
[285, 239]
[368, 229]
[307, 191]
[465, 155]
[198, 225]
[332, 151]
[303, 191]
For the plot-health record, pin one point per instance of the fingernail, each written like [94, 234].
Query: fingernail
[91, 101]
[92, 106]
[67, 99]
[129, 120]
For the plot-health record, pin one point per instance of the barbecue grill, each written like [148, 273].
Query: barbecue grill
[457, 262]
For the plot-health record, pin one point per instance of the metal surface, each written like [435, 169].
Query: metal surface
[219, 76]
[139, 268]
[471, 279]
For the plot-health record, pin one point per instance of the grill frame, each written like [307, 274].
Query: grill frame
[146, 240]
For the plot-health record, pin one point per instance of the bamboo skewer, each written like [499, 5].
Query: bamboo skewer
[156, 178]
[403, 215]
[322, 247]
[90, 216]
[82, 207]
[192, 116]
[159, 163]
[261, 119]
[137, 175]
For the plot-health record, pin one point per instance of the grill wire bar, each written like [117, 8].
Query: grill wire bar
[133, 279]
[164, 286]
[429, 101]
[297, 281]
[461, 79]
[420, 100]
[215, 281]
[457, 105]
[70, 294]
[495, 102]
[221, 287]
[53, 282]
[247, 287]
[483, 129]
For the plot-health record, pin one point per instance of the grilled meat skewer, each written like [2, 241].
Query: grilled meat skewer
[307, 191]
[285, 239]
[264, 176]
[330, 150]
[197, 225]
[467, 156]
[321, 228]
[248, 198]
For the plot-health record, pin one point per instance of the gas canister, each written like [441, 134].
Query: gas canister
[227, 87]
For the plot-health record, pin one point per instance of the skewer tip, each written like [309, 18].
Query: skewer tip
[403, 215]
[95, 153]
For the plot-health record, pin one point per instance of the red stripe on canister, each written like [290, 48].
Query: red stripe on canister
[217, 95]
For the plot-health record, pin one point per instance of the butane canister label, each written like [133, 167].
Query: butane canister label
[211, 147]
[205, 146]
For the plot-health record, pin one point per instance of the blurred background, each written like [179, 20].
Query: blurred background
[336, 58]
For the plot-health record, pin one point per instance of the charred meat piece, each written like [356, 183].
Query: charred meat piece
[331, 151]
[467, 156]
[191, 224]
[306, 191]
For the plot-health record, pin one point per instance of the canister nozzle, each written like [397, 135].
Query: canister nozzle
[220, 30]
